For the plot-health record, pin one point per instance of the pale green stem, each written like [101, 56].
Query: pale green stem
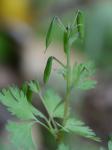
[68, 89]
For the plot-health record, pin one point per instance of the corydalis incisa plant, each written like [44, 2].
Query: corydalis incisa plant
[19, 100]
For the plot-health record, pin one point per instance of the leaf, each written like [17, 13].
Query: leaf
[47, 70]
[110, 145]
[34, 86]
[78, 127]
[59, 111]
[49, 33]
[80, 27]
[62, 72]
[26, 89]
[86, 85]
[16, 102]
[73, 39]
[63, 147]
[20, 135]
[52, 100]
[81, 76]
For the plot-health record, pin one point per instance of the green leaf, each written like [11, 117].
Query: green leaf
[52, 101]
[59, 111]
[86, 85]
[80, 27]
[48, 69]
[63, 147]
[26, 89]
[78, 127]
[110, 145]
[81, 76]
[62, 72]
[34, 86]
[49, 33]
[16, 102]
[72, 39]
[20, 135]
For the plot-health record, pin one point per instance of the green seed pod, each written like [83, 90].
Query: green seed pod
[47, 70]
[80, 27]
[49, 33]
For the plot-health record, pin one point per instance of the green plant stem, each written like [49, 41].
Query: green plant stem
[67, 96]
[68, 89]
[45, 126]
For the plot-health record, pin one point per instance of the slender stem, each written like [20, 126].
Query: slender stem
[41, 123]
[67, 97]
[59, 61]
[48, 128]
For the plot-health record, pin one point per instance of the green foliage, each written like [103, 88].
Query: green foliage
[34, 86]
[20, 135]
[53, 104]
[78, 127]
[16, 103]
[81, 76]
[58, 118]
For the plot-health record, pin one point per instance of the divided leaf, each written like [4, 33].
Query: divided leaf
[49, 33]
[81, 76]
[48, 69]
[78, 127]
[20, 135]
[34, 86]
[52, 102]
[27, 91]
[59, 110]
[16, 102]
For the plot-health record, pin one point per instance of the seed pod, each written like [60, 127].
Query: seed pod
[49, 33]
[80, 27]
[47, 70]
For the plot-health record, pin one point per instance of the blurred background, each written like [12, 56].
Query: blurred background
[23, 27]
